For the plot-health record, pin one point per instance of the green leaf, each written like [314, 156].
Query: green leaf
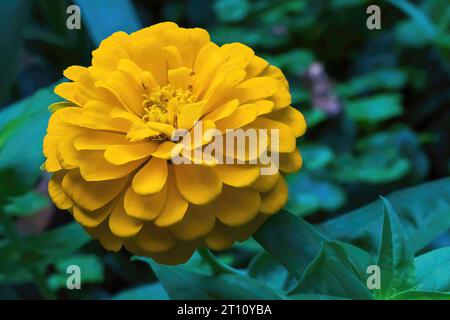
[294, 62]
[427, 205]
[316, 156]
[290, 240]
[103, 19]
[183, 283]
[23, 126]
[395, 257]
[375, 109]
[92, 270]
[270, 272]
[332, 273]
[307, 195]
[27, 204]
[231, 10]
[13, 16]
[389, 79]
[433, 270]
[422, 295]
[40, 250]
[153, 291]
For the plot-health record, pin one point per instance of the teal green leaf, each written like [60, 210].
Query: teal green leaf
[23, 126]
[395, 257]
[427, 205]
[375, 109]
[103, 19]
[27, 204]
[290, 240]
[332, 273]
[91, 267]
[433, 270]
[270, 272]
[421, 295]
[183, 283]
[153, 291]
[231, 10]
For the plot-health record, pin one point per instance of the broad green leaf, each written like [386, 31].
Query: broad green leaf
[183, 283]
[307, 195]
[103, 19]
[21, 142]
[332, 273]
[433, 270]
[231, 10]
[290, 240]
[294, 62]
[375, 109]
[390, 79]
[91, 267]
[13, 16]
[270, 272]
[395, 257]
[427, 205]
[422, 295]
[153, 291]
[27, 204]
[40, 250]
[316, 156]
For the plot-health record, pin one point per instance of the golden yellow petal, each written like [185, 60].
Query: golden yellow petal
[198, 184]
[121, 224]
[154, 239]
[175, 206]
[238, 175]
[145, 207]
[92, 219]
[90, 195]
[291, 162]
[151, 178]
[275, 199]
[197, 222]
[56, 193]
[121, 154]
[265, 182]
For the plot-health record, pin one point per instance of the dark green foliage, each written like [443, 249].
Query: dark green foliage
[380, 128]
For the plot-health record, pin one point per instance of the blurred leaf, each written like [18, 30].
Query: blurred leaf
[386, 79]
[153, 291]
[27, 204]
[91, 268]
[13, 16]
[182, 283]
[427, 205]
[225, 34]
[405, 143]
[375, 108]
[373, 167]
[294, 62]
[422, 295]
[21, 142]
[40, 250]
[307, 195]
[395, 257]
[231, 10]
[314, 116]
[316, 156]
[290, 240]
[433, 270]
[103, 19]
[332, 273]
[270, 272]
[419, 18]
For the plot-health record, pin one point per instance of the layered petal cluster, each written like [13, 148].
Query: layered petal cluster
[109, 150]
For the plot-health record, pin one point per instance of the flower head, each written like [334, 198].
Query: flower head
[110, 146]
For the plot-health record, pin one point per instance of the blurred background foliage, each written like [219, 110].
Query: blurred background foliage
[377, 104]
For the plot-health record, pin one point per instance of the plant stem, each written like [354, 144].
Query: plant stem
[16, 240]
[216, 265]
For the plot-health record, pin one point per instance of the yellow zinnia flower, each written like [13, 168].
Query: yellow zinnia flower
[109, 147]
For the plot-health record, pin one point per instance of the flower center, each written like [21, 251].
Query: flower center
[162, 104]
